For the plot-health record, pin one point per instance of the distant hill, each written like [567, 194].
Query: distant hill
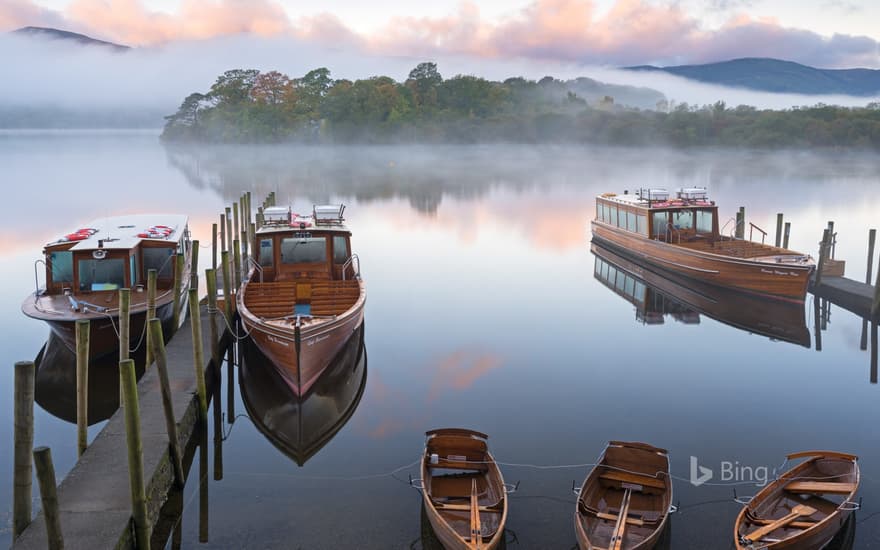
[57, 34]
[775, 75]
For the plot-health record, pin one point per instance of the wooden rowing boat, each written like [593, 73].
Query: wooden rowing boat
[804, 508]
[682, 235]
[463, 492]
[301, 426]
[303, 297]
[656, 293]
[625, 500]
[84, 271]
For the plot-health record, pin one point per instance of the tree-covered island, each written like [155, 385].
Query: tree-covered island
[249, 106]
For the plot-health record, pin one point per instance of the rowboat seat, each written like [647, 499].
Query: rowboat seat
[632, 519]
[820, 487]
[636, 479]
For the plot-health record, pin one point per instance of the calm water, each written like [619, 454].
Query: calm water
[486, 309]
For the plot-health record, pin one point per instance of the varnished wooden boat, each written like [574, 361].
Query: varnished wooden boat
[682, 235]
[303, 298]
[656, 293]
[463, 492]
[301, 426]
[84, 271]
[625, 500]
[804, 508]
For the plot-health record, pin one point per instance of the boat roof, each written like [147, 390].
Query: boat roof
[277, 219]
[125, 232]
[695, 197]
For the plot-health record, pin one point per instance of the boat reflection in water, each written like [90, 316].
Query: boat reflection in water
[657, 294]
[55, 382]
[300, 426]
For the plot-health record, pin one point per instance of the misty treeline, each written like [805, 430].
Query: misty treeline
[249, 106]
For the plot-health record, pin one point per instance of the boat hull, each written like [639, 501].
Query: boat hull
[786, 282]
[301, 363]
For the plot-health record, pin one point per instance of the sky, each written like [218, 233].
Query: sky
[609, 33]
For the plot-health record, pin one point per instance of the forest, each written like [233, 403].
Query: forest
[249, 106]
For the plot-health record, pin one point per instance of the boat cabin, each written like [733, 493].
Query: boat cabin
[299, 248]
[114, 253]
[652, 213]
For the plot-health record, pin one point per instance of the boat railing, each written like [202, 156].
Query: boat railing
[732, 229]
[36, 276]
[251, 262]
[752, 230]
[354, 262]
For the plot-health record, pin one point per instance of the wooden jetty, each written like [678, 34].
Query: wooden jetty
[863, 299]
[94, 499]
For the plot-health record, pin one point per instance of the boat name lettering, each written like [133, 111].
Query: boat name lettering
[278, 341]
[317, 339]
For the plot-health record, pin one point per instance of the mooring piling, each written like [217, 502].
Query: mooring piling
[194, 258]
[230, 384]
[203, 486]
[779, 229]
[124, 328]
[873, 352]
[49, 496]
[82, 330]
[229, 232]
[155, 327]
[177, 287]
[214, 246]
[135, 454]
[823, 255]
[227, 290]
[235, 220]
[786, 235]
[222, 232]
[23, 423]
[236, 255]
[152, 276]
[832, 241]
[211, 282]
[217, 409]
[741, 223]
[198, 352]
[817, 322]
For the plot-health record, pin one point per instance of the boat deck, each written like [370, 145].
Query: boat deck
[737, 248]
[278, 299]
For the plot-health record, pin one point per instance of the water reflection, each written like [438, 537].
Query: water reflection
[55, 384]
[301, 426]
[657, 296]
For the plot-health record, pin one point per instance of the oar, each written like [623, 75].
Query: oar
[796, 512]
[476, 528]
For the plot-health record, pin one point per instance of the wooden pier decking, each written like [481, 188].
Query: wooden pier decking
[94, 499]
[851, 295]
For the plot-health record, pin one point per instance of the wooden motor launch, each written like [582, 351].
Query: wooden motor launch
[625, 500]
[303, 296]
[804, 508]
[463, 492]
[85, 269]
[682, 235]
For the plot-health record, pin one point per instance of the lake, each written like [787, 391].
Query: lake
[485, 309]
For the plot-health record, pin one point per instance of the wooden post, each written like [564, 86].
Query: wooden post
[817, 323]
[872, 237]
[82, 329]
[227, 284]
[229, 232]
[832, 241]
[178, 285]
[124, 328]
[235, 230]
[23, 422]
[222, 232]
[135, 454]
[214, 246]
[236, 255]
[823, 255]
[194, 257]
[778, 230]
[244, 250]
[195, 319]
[875, 309]
[873, 353]
[786, 235]
[216, 405]
[155, 327]
[49, 497]
[259, 217]
[203, 486]
[152, 275]
[741, 223]
[211, 280]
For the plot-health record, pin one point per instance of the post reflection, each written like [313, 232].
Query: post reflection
[301, 426]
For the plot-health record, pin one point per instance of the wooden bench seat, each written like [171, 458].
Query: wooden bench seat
[636, 479]
[820, 487]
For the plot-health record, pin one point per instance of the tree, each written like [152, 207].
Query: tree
[234, 86]
[423, 81]
[272, 88]
[185, 122]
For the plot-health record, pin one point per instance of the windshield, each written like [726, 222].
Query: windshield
[106, 274]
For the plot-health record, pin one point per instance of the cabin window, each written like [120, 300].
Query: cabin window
[683, 219]
[612, 216]
[106, 274]
[631, 221]
[340, 250]
[267, 253]
[704, 221]
[639, 291]
[630, 286]
[606, 213]
[132, 260]
[160, 260]
[62, 266]
[297, 250]
[642, 224]
[660, 221]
